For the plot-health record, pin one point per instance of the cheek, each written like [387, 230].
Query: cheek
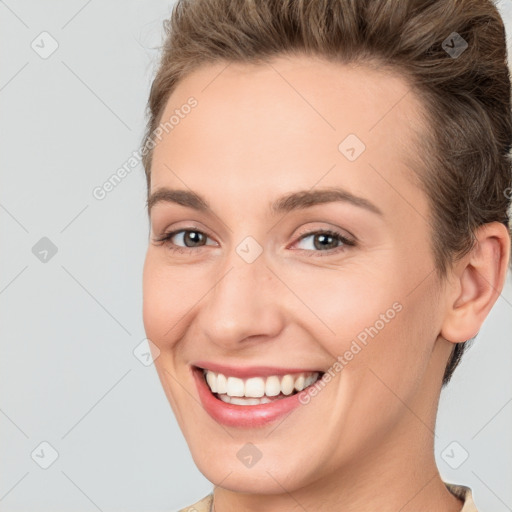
[368, 320]
[345, 304]
[151, 306]
[164, 298]
[398, 356]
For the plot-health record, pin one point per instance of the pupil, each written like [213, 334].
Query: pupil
[324, 240]
[194, 238]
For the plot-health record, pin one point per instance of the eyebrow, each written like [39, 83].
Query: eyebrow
[294, 201]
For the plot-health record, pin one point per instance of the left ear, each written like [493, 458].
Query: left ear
[476, 283]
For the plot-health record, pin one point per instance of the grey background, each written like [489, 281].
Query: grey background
[68, 374]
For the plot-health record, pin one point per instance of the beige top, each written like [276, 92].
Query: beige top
[460, 491]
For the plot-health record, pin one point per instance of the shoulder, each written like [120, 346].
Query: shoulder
[203, 505]
[461, 491]
[465, 494]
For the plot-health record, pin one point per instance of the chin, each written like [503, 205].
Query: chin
[264, 477]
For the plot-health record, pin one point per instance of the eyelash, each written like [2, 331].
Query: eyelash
[345, 242]
[165, 239]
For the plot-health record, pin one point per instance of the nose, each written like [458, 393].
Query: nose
[244, 302]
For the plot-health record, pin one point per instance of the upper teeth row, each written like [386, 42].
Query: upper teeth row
[255, 387]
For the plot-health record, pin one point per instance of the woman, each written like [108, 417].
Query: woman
[328, 185]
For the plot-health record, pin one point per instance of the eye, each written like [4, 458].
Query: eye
[182, 240]
[324, 241]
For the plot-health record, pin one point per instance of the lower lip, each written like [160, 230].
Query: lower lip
[247, 416]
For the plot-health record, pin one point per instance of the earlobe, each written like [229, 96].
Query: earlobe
[476, 283]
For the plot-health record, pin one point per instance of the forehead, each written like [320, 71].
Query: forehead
[291, 123]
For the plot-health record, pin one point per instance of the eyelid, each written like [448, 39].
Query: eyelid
[191, 226]
[345, 243]
[342, 233]
[166, 235]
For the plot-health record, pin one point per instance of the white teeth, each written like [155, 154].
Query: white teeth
[221, 383]
[212, 381]
[257, 389]
[245, 401]
[309, 380]
[299, 383]
[272, 386]
[235, 387]
[287, 384]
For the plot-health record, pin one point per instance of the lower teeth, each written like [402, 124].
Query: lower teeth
[249, 401]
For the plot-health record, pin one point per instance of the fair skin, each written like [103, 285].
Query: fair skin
[366, 441]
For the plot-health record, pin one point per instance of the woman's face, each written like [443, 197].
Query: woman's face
[252, 286]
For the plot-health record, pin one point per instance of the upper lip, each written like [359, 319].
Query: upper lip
[250, 371]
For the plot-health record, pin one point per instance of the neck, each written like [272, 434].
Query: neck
[400, 477]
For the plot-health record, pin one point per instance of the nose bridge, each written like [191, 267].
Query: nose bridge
[242, 301]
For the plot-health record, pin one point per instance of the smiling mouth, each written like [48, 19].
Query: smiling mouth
[257, 390]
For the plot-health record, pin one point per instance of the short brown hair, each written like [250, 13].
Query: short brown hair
[466, 166]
